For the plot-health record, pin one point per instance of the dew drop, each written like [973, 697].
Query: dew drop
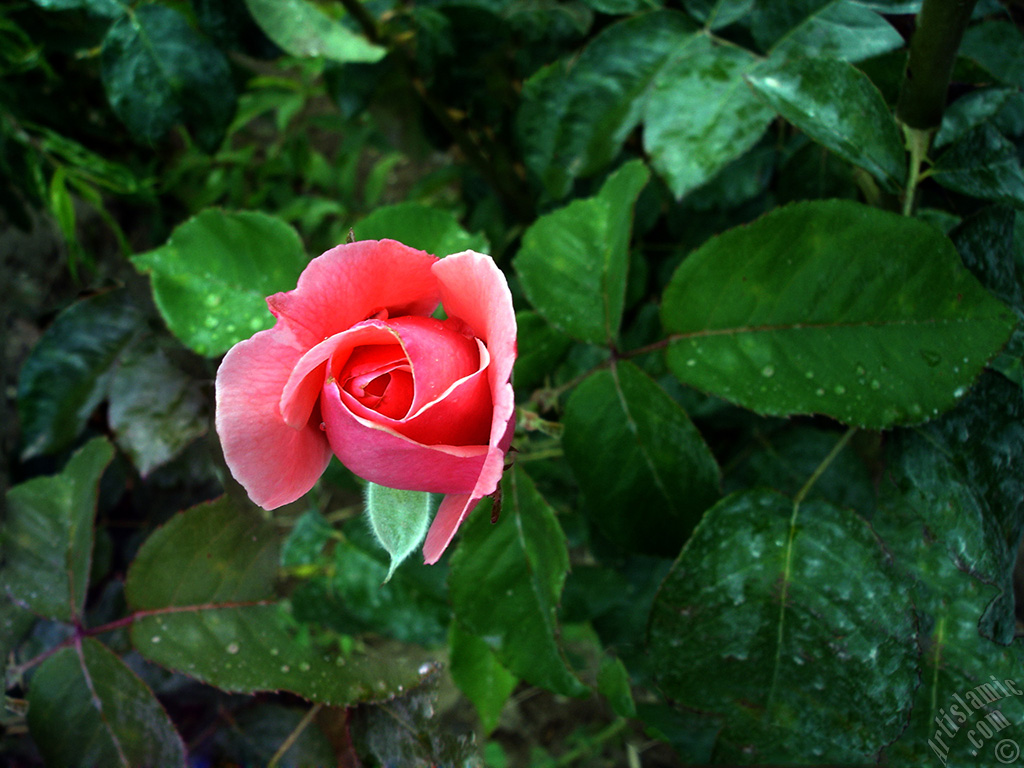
[273, 651]
[840, 389]
[819, 392]
[876, 384]
[931, 357]
[691, 362]
[232, 648]
[809, 374]
[256, 323]
[304, 667]
[959, 392]
[767, 371]
[210, 321]
[323, 427]
[424, 669]
[285, 668]
[155, 639]
[861, 370]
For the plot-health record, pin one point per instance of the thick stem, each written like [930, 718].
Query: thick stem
[940, 27]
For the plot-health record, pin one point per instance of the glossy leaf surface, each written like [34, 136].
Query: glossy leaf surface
[211, 279]
[832, 308]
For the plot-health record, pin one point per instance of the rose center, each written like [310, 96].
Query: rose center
[380, 378]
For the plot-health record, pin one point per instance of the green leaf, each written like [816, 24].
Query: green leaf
[505, 584]
[983, 164]
[800, 620]
[832, 308]
[580, 253]
[670, 479]
[951, 518]
[399, 519]
[997, 46]
[655, 68]
[155, 410]
[970, 111]
[771, 20]
[201, 589]
[715, 14]
[837, 106]
[613, 683]
[48, 535]
[303, 30]
[86, 708]
[158, 73]
[259, 729]
[701, 114]
[479, 675]
[991, 243]
[419, 226]
[108, 8]
[844, 31]
[541, 348]
[67, 374]
[348, 594]
[211, 279]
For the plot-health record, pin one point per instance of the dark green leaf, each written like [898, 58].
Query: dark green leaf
[506, 580]
[158, 73]
[202, 591]
[573, 262]
[832, 308]
[837, 106]
[398, 519]
[419, 226]
[307, 540]
[48, 535]
[86, 708]
[67, 374]
[632, 447]
[655, 68]
[303, 30]
[845, 31]
[257, 732]
[771, 20]
[763, 601]
[715, 14]
[211, 279]
[970, 111]
[613, 683]
[156, 410]
[108, 8]
[541, 348]
[479, 675]
[998, 46]
[984, 164]
[991, 243]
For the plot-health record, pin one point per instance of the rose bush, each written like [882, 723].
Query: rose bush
[357, 365]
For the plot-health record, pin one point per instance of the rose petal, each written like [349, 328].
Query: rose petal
[274, 462]
[378, 454]
[353, 282]
[439, 356]
[453, 510]
[306, 379]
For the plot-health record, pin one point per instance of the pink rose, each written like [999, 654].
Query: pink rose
[357, 365]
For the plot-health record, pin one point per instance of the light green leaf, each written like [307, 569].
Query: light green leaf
[506, 580]
[419, 226]
[47, 535]
[832, 308]
[837, 106]
[701, 113]
[970, 111]
[670, 479]
[479, 675]
[844, 31]
[573, 262]
[211, 279]
[303, 30]
[763, 601]
[201, 589]
[158, 73]
[399, 519]
[715, 14]
[86, 708]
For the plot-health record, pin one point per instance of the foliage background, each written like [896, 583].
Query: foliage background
[768, 486]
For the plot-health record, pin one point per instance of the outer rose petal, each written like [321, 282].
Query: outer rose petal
[275, 463]
[475, 291]
[352, 282]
